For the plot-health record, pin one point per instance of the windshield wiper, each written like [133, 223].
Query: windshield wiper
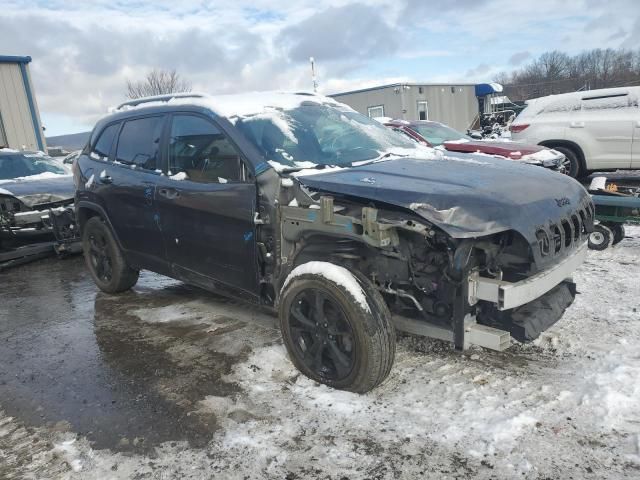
[379, 158]
[320, 166]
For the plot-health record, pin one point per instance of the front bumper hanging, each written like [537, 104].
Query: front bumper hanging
[507, 295]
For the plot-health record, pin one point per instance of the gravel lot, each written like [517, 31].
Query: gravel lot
[169, 381]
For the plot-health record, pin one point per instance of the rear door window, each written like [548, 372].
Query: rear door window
[139, 143]
[102, 147]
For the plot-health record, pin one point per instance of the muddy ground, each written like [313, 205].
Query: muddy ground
[169, 381]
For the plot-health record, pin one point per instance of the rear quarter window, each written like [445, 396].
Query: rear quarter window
[606, 102]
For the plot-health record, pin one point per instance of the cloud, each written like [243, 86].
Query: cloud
[478, 70]
[519, 57]
[83, 52]
[354, 31]
[633, 38]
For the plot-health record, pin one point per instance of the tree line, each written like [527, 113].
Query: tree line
[556, 72]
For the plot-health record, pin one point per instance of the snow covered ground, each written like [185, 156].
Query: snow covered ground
[567, 406]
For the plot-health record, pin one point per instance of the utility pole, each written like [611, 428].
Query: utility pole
[313, 74]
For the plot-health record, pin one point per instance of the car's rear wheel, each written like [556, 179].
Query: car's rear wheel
[104, 259]
[601, 238]
[571, 163]
[336, 327]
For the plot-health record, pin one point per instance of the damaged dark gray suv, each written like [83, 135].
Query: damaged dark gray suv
[347, 229]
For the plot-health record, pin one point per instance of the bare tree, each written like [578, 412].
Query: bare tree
[556, 72]
[158, 82]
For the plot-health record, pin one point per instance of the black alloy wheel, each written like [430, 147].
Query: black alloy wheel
[99, 256]
[322, 336]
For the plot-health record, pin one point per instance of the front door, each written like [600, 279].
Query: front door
[206, 207]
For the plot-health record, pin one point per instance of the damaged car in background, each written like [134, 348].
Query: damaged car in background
[443, 137]
[36, 207]
[345, 228]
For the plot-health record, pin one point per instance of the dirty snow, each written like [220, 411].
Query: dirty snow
[566, 406]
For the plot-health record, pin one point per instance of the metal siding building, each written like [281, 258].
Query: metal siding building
[20, 125]
[453, 104]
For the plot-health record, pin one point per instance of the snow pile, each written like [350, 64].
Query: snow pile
[90, 182]
[336, 274]
[179, 176]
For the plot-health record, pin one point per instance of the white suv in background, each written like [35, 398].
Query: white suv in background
[596, 129]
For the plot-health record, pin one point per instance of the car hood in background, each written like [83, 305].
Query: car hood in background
[40, 190]
[504, 149]
[466, 196]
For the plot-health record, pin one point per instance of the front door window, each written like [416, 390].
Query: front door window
[200, 152]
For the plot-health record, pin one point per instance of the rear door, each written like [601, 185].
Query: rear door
[131, 180]
[206, 206]
[607, 121]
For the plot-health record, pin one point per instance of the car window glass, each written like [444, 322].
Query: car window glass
[28, 164]
[139, 143]
[436, 133]
[199, 151]
[102, 148]
[606, 102]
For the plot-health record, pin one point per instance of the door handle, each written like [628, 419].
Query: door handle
[576, 125]
[169, 193]
[105, 179]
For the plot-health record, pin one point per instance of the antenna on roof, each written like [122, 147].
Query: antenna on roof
[313, 74]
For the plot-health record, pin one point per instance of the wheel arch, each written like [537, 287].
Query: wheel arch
[86, 210]
[574, 147]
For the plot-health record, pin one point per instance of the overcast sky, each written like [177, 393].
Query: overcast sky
[83, 51]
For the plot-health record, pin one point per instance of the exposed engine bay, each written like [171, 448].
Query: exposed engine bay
[428, 278]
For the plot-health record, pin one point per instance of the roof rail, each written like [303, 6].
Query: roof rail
[159, 98]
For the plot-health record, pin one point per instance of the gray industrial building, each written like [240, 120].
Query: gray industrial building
[20, 125]
[453, 104]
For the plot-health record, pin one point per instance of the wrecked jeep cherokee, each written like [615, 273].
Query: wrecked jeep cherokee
[346, 228]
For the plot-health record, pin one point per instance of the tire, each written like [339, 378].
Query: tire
[347, 343]
[601, 238]
[618, 232]
[104, 258]
[574, 169]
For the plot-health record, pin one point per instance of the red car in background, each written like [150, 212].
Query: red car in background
[438, 135]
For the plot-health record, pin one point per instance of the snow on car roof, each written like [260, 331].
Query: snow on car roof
[234, 105]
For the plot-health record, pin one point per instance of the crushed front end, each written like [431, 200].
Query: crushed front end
[32, 230]
[466, 288]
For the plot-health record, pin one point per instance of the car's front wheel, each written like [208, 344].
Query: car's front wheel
[336, 327]
[104, 259]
